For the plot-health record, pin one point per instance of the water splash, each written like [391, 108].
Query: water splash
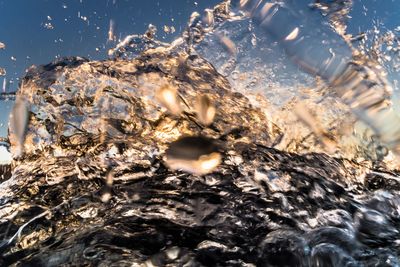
[266, 74]
[103, 155]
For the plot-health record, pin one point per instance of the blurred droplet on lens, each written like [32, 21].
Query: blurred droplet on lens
[205, 110]
[19, 120]
[228, 44]
[197, 155]
[105, 197]
[293, 35]
[168, 97]
[208, 18]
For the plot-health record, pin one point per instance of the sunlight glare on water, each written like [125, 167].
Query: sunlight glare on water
[5, 156]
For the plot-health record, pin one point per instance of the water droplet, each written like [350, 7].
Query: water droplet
[235, 75]
[253, 40]
[111, 31]
[205, 110]
[48, 26]
[19, 120]
[293, 35]
[168, 97]
[197, 155]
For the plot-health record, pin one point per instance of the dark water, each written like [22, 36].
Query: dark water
[95, 184]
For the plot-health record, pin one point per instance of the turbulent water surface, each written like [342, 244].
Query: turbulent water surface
[214, 150]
